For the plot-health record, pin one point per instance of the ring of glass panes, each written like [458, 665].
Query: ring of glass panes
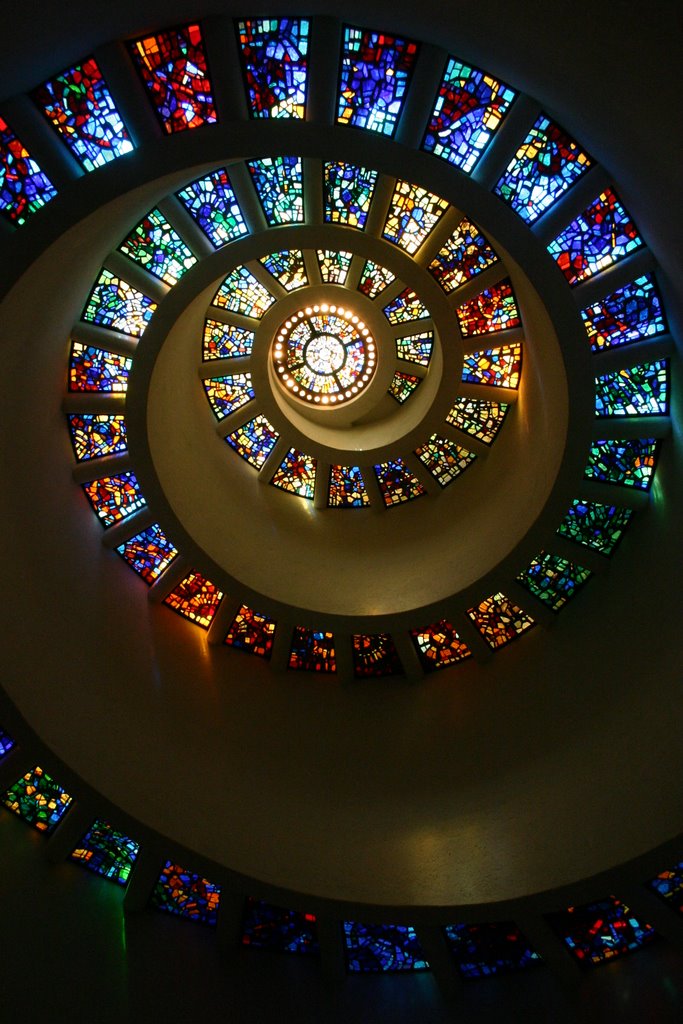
[324, 354]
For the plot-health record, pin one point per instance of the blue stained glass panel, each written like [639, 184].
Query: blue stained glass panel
[212, 203]
[279, 185]
[115, 304]
[6, 743]
[275, 61]
[382, 947]
[637, 391]
[628, 463]
[348, 193]
[107, 852]
[481, 950]
[24, 188]
[284, 931]
[601, 236]
[148, 553]
[157, 247]
[375, 71]
[629, 314]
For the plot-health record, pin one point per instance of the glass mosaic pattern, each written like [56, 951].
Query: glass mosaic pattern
[375, 655]
[149, 553]
[225, 341]
[481, 950]
[283, 931]
[348, 192]
[172, 65]
[382, 947]
[496, 367]
[24, 187]
[196, 599]
[402, 386]
[444, 459]
[494, 309]
[499, 620]
[669, 885]
[637, 391]
[254, 441]
[107, 852]
[374, 279]
[602, 235]
[347, 488]
[77, 102]
[227, 394]
[477, 417]
[334, 265]
[397, 483]
[296, 474]
[279, 185]
[250, 631]
[413, 214]
[6, 743]
[552, 579]
[597, 932]
[628, 314]
[114, 498]
[287, 266]
[115, 304]
[96, 435]
[375, 71]
[439, 646]
[157, 247]
[405, 308]
[94, 369]
[242, 293]
[470, 106]
[38, 799]
[464, 255]
[211, 202]
[546, 164]
[275, 62]
[415, 348]
[186, 894]
[312, 651]
[626, 463]
[595, 525]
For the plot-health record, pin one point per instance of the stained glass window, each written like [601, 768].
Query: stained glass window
[38, 799]
[552, 579]
[94, 369]
[374, 279]
[149, 553]
[413, 214]
[415, 348]
[172, 64]
[212, 203]
[462, 257]
[602, 235]
[600, 931]
[544, 166]
[254, 441]
[312, 651]
[288, 267]
[477, 417]
[637, 391]
[629, 314]
[225, 341]
[481, 950]
[405, 308]
[227, 394]
[296, 474]
[275, 59]
[334, 265]
[627, 463]
[439, 646]
[444, 459]
[375, 71]
[382, 947]
[470, 106]
[595, 525]
[402, 386]
[24, 188]
[107, 852]
[347, 488]
[157, 247]
[397, 483]
[251, 631]
[375, 655]
[284, 931]
[6, 743]
[114, 303]
[348, 193]
[498, 367]
[114, 498]
[279, 185]
[186, 894]
[79, 105]
[242, 293]
[499, 620]
[494, 309]
[669, 885]
[94, 435]
[196, 599]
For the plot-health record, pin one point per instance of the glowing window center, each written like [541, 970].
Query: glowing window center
[325, 354]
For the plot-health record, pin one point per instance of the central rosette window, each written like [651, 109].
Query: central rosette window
[324, 354]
